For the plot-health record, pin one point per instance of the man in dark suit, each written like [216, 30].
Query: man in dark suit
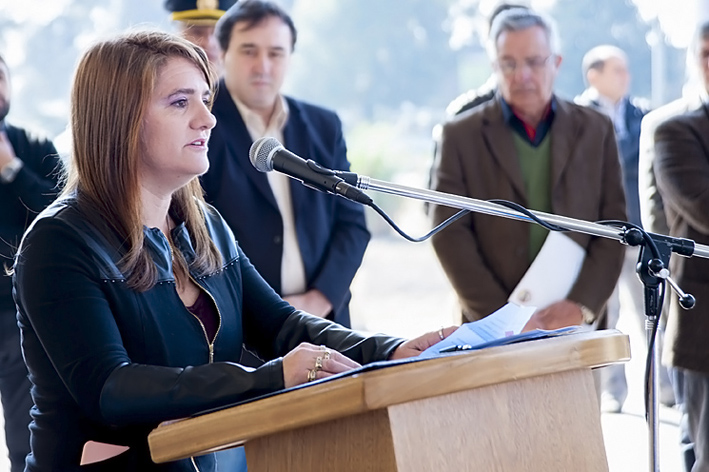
[652, 208]
[681, 171]
[533, 148]
[605, 69]
[308, 245]
[29, 168]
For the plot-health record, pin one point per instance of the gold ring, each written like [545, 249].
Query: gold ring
[440, 334]
[327, 352]
[312, 373]
[318, 363]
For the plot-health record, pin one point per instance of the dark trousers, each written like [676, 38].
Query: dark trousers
[695, 418]
[14, 391]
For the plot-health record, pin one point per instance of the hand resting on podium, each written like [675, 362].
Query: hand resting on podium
[308, 362]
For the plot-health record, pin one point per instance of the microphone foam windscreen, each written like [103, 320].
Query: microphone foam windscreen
[261, 151]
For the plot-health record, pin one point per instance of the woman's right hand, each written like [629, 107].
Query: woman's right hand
[298, 363]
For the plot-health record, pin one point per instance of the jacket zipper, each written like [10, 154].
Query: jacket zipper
[219, 326]
[210, 345]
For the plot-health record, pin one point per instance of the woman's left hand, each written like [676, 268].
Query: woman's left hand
[414, 347]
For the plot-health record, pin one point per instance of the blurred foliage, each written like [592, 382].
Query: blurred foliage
[584, 24]
[42, 49]
[365, 54]
[389, 68]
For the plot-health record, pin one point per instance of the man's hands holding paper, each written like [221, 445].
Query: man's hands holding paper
[557, 315]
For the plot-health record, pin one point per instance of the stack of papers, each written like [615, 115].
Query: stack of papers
[501, 327]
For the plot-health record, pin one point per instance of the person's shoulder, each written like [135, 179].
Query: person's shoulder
[220, 232]
[682, 121]
[586, 99]
[472, 118]
[310, 109]
[223, 103]
[660, 114]
[469, 100]
[472, 98]
[577, 111]
[641, 104]
[62, 212]
[29, 136]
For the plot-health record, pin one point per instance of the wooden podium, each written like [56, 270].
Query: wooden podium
[530, 406]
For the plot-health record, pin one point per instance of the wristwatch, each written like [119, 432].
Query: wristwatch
[589, 317]
[9, 171]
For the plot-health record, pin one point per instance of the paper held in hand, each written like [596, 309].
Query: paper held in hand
[507, 321]
[552, 274]
[549, 279]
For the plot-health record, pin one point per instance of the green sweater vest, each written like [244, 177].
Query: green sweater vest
[535, 163]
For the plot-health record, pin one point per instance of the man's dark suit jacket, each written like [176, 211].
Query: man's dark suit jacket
[34, 187]
[628, 149]
[682, 172]
[486, 256]
[332, 232]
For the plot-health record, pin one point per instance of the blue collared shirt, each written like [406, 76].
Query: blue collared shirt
[520, 127]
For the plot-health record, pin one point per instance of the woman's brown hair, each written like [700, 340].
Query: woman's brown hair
[112, 86]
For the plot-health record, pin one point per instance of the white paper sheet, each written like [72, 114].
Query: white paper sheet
[552, 274]
[508, 320]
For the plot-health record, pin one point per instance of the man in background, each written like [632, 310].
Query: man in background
[605, 70]
[530, 147]
[674, 176]
[29, 168]
[195, 20]
[306, 244]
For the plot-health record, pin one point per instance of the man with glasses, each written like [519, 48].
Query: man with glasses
[547, 154]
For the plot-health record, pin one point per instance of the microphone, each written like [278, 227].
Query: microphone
[267, 154]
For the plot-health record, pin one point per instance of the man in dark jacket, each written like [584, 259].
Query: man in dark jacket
[681, 170]
[27, 184]
[605, 69]
[306, 244]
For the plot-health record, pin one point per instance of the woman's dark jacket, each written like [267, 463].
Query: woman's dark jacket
[108, 363]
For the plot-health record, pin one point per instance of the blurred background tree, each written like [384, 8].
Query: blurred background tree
[389, 68]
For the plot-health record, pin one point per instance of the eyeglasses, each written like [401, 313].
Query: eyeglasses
[535, 64]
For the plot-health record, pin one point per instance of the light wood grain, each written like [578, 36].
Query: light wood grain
[359, 443]
[539, 424]
[333, 402]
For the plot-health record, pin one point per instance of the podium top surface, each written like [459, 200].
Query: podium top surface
[371, 390]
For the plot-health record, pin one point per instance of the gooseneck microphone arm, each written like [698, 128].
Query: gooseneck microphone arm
[684, 247]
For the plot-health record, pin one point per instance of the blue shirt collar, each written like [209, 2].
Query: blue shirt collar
[518, 126]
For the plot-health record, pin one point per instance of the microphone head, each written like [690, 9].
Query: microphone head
[261, 153]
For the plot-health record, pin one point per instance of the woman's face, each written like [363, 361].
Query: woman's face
[176, 128]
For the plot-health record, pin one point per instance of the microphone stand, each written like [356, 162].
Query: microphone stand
[653, 261]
